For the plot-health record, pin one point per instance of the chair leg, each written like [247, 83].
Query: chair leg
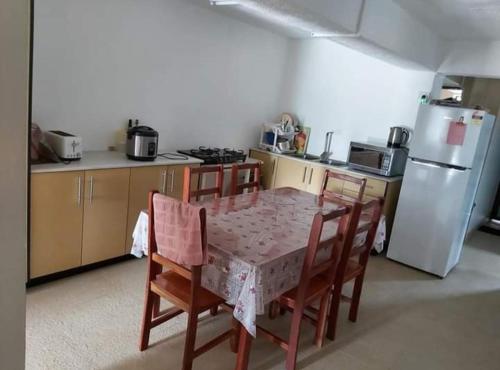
[334, 312]
[146, 320]
[192, 326]
[322, 318]
[214, 310]
[156, 306]
[274, 308]
[234, 341]
[356, 297]
[293, 342]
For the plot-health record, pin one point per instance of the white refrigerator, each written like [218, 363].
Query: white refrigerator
[452, 163]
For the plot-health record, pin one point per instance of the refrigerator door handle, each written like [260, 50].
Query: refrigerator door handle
[435, 165]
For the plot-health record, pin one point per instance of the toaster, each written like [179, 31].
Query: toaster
[67, 147]
[142, 143]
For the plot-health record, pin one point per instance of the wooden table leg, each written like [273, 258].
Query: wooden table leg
[244, 345]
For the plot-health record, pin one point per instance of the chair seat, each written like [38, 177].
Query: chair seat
[353, 269]
[316, 288]
[171, 285]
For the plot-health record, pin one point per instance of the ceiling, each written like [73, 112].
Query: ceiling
[458, 19]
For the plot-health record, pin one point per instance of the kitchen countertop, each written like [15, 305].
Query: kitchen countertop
[96, 160]
[343, 168]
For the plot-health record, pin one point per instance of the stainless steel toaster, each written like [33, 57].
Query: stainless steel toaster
[142, 143]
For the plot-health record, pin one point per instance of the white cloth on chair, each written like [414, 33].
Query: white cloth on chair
[140, 236]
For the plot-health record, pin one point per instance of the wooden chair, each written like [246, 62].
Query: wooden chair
[354, 261]
[315, 283]
[182, 287]
[358, 188]
[197, 173]
[237, 188]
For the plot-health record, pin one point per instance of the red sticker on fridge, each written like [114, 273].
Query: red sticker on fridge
[456, 133]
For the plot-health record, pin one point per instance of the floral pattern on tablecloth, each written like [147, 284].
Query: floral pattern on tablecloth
[257, 247]
[257, 244]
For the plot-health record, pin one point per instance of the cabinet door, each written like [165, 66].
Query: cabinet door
[291, 173]
[175, 181]
[56, 222]
[105, 214]
[314, 179]
[269, 164]
[142, 181]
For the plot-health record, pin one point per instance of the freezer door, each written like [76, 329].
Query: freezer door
[431, 218]
[429, 141]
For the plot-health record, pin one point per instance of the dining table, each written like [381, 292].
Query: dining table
[256, 248]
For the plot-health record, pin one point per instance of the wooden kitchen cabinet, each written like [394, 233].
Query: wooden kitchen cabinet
[291, 173]
[142, 181]
[175, 181]
[268, 169]
[299, 175]
[168, 180]
[315, 179]
[56, 222]
[105, 214]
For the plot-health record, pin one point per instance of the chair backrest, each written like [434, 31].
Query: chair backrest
[368, 222]
[197, 173]
[358, 189]
[355, 229]
[254, 182]
[326, 267]
[155, 260]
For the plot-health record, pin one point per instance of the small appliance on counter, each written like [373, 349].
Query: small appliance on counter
[66, 146]
[142, 142]
[377, 159]
[398, 137]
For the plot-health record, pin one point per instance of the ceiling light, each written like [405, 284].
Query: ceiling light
[224, 2]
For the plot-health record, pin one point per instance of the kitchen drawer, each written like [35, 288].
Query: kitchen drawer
[375, 188]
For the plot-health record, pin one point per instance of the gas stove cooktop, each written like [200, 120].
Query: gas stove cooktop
[216, 155]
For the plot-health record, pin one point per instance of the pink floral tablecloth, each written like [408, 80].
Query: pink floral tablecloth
[257, 243]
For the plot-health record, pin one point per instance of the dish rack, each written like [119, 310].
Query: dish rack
[271, 132]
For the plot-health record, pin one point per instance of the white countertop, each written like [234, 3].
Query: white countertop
[95, 160]
[339, 168]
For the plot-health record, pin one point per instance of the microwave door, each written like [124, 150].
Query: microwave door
[366, 159]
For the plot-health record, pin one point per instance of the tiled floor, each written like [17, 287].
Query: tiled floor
[408, 320]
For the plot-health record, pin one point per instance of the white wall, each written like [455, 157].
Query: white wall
[471, 58]
[14, 49]
[198, 77]
[332, 87]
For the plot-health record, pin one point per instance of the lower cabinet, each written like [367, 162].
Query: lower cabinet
[168, 180]
[56, 222]
[142, 181]
[268, 169]
[82, 217]
[105, 214]
[299, 175]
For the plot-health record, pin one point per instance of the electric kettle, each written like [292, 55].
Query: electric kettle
[398, 137]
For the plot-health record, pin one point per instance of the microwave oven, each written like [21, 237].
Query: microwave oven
[376, 159]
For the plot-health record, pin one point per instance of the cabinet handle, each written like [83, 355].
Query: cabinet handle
[91, 190]
[172, 181]
[163, 182]
[304, 176]
[311, 176]
[274, 166]
[79, 195]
